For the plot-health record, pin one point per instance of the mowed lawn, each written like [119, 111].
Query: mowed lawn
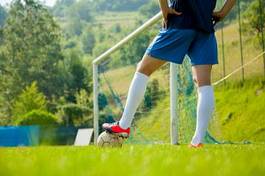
[223, 160]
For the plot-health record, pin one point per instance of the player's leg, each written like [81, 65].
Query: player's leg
[202, 75]
[169, 45]
[205, 104]
[137, 88]
[203, 54]
[145, 68]
[149, 65]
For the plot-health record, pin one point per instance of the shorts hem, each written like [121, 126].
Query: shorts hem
[195, 64]
[161, 58]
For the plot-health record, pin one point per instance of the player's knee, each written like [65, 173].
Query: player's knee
[201, 82]
[147, 72]
[143, 69]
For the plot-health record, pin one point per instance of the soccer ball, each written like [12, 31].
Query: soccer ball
[106, 139]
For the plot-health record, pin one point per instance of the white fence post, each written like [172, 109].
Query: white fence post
[95, 102]
[173, 104]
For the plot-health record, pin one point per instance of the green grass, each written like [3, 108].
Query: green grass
[232, 54]
[240, 111]
[220, 160]
[155, 125]
[239, 115]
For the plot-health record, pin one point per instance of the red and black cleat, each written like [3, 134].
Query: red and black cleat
[114, 128]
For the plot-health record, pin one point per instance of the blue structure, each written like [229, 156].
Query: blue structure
[12, 136]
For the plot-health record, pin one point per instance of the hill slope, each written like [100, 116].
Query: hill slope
[239, 115]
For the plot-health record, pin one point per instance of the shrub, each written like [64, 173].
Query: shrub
[74, 114]
[30, 99]
[38, 117]
[152, 95]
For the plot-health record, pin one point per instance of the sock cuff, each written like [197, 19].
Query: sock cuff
[205, 88]
[141, 75]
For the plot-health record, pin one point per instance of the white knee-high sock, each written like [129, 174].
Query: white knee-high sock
[205, 108]
[134, 98]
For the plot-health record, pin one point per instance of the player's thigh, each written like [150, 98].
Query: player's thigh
[202, 74]
[149, 64]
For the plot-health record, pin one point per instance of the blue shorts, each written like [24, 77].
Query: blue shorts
[173, 44]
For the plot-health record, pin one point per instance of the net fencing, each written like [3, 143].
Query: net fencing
[152, 120]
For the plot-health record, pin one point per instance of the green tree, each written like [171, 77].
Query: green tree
[77, 113]
[76, 15]
[60, 7]
[150, 9]
[3, 16]
[83, 98]
[66, 2]
[31, 51]
[82, 9]
[88, 42]
[30, 99]
[74, 27]
[77, 76]
[103, 101]
[152, 95]
[254, 19]
[133, 52]
[99, 49]
[70, 44]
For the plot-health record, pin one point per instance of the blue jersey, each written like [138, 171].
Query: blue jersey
[196, 14]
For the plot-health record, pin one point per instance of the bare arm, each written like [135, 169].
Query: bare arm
[166, 10]
[163, 5]
[228, 5]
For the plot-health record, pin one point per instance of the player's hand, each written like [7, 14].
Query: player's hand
[166, 13]
[218, 16]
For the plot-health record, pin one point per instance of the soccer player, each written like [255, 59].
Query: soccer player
[188, 28]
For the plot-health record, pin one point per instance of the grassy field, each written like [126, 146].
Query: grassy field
[239, 115]
[240, 111]
[219, 160]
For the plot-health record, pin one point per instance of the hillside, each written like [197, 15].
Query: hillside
[239, 115]
[232, 54]
[240, 111]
